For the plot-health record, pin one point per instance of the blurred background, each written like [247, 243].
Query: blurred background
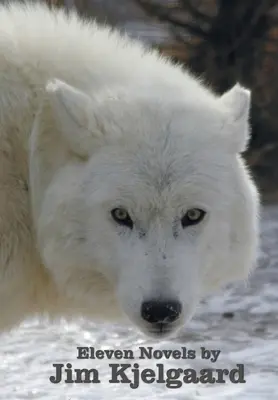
[224, 41]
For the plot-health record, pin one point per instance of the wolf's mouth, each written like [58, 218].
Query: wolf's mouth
[160, 330]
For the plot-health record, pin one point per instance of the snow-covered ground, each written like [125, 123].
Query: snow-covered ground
[249, 337]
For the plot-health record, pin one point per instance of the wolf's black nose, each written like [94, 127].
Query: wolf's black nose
[157, 311]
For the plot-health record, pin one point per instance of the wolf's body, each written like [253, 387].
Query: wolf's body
[158, 140]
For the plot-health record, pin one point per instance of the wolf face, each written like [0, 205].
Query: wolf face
[142, 203]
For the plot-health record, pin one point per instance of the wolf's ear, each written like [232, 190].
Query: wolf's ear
[72, 109]
[237, 103]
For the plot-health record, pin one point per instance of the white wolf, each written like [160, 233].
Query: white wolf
[122, 187]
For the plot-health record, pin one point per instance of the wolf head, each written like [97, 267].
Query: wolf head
[142, 200]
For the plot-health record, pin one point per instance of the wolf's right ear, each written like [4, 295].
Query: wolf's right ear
[237, 102]
[73, 111]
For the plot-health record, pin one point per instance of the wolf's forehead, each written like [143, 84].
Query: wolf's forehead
[168, 180]
[170, 160]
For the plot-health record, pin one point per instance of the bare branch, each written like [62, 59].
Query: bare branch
[250, 19]
[195, 13]
[181, 37]
[164, 15]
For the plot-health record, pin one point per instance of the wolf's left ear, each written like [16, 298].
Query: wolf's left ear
[72, 110]
[237, 103]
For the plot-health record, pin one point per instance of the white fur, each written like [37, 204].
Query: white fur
[90, 121]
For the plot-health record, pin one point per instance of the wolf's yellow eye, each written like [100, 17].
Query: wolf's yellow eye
[193, 217]
[121, 216]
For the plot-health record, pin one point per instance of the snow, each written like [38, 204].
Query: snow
[248, 335]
